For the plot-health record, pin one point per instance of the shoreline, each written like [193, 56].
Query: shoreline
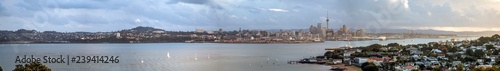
[389, 56]
[31, 42]
[346, 68]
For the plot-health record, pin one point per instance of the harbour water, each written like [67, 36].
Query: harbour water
[185, 56]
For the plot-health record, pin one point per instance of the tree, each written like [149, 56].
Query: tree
[487, 60]
[497, 61]
[477, 43]
[1, 68]
[437, 69]
[444, 48]
[421, 66]
[486, 69]
[469, 52]
[375, 46]
[486, 39]
[469, 59]
[460, 67]
[479, 53]
[365, 64]
[489, 53]
[489, 47]
[495, 52]
[329, 54]
[369, 66]
[496, 37]
[435, 45]
[453, 49]
[393, 45]
[34, 66]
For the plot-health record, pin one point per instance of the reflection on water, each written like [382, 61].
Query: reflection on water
[186, 56]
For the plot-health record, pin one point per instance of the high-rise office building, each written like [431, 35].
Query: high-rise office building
[345, 29]
[312, 29]
[321, 31]
[319, 28]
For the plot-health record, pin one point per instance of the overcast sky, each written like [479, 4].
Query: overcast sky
[186, 15]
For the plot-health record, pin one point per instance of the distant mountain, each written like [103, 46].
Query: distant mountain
[25, 31]
[142, 29]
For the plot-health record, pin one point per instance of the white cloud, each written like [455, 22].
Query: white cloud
[405, 4]
[277, 10]
[137, 20]
[429, 13]
[234, 16]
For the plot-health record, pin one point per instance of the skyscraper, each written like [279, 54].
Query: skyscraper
[320, 31]
[344, 30]
[319, 27]
[312, 29]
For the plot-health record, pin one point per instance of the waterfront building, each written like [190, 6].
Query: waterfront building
[360, 33]
[198, 30]
[118, 35]
[158, 31]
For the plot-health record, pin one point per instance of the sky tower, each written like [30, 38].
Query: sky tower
[327, 21]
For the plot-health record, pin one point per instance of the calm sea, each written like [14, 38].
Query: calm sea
[184, 56]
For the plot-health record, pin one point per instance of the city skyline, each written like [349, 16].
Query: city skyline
[188, 15]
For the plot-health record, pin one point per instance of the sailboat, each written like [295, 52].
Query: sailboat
[142, 60]
[382, 38]
[208, 56]
[195, 58]
[267, 60]
[347, 46]
[168, 54]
